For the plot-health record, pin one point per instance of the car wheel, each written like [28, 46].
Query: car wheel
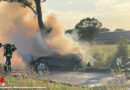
[42, 67]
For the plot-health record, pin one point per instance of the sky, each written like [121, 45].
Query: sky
[112, 13]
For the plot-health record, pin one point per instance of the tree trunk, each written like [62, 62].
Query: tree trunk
[39, 15]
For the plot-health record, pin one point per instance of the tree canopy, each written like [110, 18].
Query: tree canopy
[88, 29]
[36, 10]
[105, 29]
[119, 30]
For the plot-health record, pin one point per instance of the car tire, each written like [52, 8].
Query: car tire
[42, 67]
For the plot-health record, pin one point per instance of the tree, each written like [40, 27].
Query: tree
[119, 30]
[36, 10]
[88, 29]
[105, 29]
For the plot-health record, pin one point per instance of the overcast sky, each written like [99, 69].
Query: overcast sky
[112, 13]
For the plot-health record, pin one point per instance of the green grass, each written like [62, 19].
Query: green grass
[109, 49]
[42, 82]
[38, 82]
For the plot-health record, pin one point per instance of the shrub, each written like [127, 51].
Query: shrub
[122, 52]
[122, 48]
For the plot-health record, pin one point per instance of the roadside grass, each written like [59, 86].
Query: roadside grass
[38, 82]
[42, 82]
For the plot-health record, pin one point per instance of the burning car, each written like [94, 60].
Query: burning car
[57, 62]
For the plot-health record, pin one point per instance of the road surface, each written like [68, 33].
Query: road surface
[85, 78]
[81, 78]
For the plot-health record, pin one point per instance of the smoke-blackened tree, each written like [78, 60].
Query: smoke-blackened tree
[88, 29]
[36, 10]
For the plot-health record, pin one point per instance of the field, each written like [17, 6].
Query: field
[105, 53]
[109, 49]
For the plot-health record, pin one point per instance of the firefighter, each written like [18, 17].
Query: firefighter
[89, 66]
[8, 51]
